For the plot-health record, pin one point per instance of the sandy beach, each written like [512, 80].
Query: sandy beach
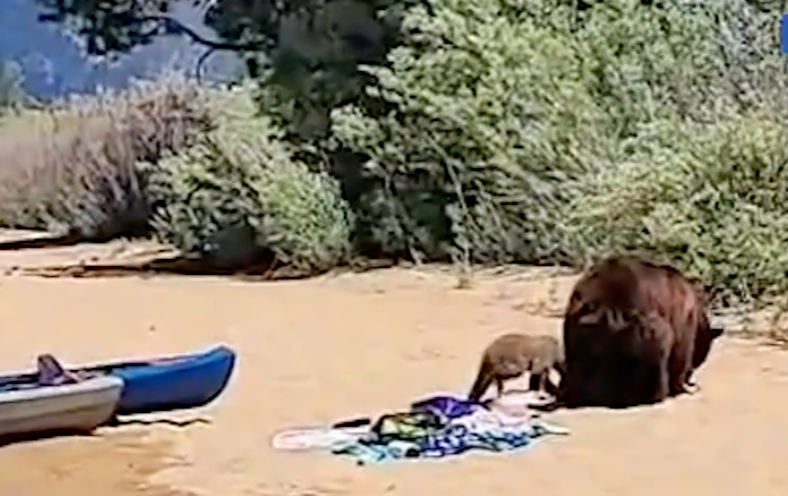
[315, 351]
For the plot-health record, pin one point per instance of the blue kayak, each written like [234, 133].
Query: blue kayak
[172, 383]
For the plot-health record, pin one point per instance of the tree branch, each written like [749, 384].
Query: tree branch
[200, 62]
[173, 26]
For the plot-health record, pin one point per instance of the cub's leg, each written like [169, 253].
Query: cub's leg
[536, 380]
[499, 386]
[549, 386]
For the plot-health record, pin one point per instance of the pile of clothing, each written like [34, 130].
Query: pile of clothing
[436, 427]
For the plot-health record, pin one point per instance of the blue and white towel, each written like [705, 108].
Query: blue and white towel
[480, 430]
[455, 426]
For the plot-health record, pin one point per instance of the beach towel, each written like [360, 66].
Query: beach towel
[480, 430]
[448, 407]
[366, 452]
[453, 441]
[316, 438]
[407, 426]
[435, 427]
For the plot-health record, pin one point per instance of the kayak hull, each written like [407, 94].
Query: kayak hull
[27, 408]
[173, 383]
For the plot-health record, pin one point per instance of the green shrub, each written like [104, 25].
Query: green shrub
[238, 195]
[503, 115]
[644, 64]
[492, 133]
[717, 206]
[532, 133]
[72, 169]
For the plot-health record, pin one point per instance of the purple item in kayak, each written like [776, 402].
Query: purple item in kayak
[51, 373]
[447, 406]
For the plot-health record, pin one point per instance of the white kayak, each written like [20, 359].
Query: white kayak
[80, 406]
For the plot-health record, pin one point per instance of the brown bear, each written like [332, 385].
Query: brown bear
[634, 332]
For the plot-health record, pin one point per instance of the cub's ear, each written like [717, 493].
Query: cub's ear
[716, 332]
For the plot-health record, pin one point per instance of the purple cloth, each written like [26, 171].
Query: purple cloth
[448, 407]
[51, 373]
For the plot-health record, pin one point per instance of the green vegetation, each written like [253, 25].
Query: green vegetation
[238, 196]
[11, 92]
[72, 169]
[532, 131]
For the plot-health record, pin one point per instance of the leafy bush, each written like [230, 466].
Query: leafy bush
[718, 207]
[493, 130]
[238, 195]
[535, 133]
[73, 170]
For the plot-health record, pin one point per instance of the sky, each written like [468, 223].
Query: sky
[54, 66]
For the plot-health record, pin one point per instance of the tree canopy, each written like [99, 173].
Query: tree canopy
[316, 46]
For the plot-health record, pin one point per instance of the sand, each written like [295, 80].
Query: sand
[314, 351]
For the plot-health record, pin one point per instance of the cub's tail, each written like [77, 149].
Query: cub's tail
[482, 382]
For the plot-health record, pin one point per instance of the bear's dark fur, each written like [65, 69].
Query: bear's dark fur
[634, 332]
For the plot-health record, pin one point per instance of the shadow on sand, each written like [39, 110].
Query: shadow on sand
[263, 267]
[119, 422]
[266, 270]
[112, 423]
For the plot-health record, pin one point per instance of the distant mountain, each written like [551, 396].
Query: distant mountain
[54, 66]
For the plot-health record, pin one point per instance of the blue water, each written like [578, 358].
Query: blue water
[784, 34]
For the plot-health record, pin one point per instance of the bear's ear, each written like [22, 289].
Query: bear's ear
[716, 332]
